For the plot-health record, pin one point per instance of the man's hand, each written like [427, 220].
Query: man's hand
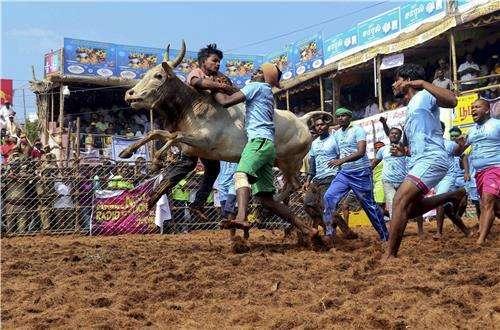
[397, 150]
[225, 88]
[306, 185]
[461, 140]
[335, 162]
[382, 120]
[405, 84]
[466, 176]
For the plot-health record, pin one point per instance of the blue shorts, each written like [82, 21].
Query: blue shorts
[427, 172]
[470, 187]
[447, 184]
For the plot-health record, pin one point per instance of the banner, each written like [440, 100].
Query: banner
[283, 59]
[82, 57]
[417, 13]
[308, 54]
[122, 211]
[189, 63]
[463, 110]
[52, 62]
[133, 62]
[340, 45]
[239, 68]
[6, 91]
[378, 28]
[119, 143]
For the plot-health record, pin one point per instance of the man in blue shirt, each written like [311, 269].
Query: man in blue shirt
[323, 149]
[355, 174]
[484, 138]
[255, 168]
[428, 163]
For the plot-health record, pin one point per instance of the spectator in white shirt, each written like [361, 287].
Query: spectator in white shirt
[442, 65]
[441, 80]
[372, 108]
[468, 70]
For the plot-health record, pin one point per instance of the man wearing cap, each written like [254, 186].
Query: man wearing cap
[355, 174]
[255, 168]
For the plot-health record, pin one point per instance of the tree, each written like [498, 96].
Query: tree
[32, 130]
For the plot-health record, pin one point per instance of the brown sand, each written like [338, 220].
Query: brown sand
[194, 281]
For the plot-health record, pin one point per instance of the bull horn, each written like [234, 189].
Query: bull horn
[166, 55]
[179, 57]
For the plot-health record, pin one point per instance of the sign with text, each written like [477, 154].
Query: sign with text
[239, 68]
[416, 13]
[308, 54]
[52, 62]
[283, 59]
[379, 27]
[463, 110]
[133, 62]
[340, 45]
[6, 91]
[83, 57]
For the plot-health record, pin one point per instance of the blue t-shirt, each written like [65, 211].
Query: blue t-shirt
[324, 150]
[423, 128]
[347, 142]
[225, 180]
[454, 167]
[259, 117]
[395, 168]
[485, 141]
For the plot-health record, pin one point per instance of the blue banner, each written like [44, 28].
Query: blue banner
[82, 57]
[379, 27]
[340, 43]
[417, 12]
[133, 62]
[118, 144]
[283, 59]
[239, 68]
[189, 62]
[308, 54]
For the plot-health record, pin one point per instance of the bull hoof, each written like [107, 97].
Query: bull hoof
[125, 153]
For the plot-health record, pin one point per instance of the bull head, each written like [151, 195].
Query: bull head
[155, 83]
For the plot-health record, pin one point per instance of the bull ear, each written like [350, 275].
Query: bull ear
[166, 67]
[179, 57]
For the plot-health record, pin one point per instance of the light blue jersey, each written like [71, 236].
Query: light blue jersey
[395, 169]
[324, 150]
[454, 167]
[485, 141]
[259, 117]
[347, 141]
[423, 128]
[225, 180]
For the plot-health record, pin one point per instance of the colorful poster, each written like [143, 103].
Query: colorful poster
[340, 45]
[133, 62]
[82, 57]
[119, 143]
[52, 62]
[379, 27]
[463, 110]
[239, 68]
[189, 63]
[6, 91]
[416, 13]
[283, 59]
[117, 212]
[308, 54]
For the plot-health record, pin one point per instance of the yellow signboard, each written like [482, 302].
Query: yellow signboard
[463, 110]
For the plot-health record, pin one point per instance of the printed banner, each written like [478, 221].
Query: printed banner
[340, 45]
[463, 110]
[283, 59]
[239, 68]
[6, 91]
[416, 13]
[82, 57]
[379, 27]
[119, 143]
[189, 63]
[122, 212]
[52, 62]
[308, 54]
[133, 62]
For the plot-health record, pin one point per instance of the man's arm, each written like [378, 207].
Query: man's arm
[361, 151]
[444, 97]
[384, 124]
[229, 100]
[208, 84]
[465, 165]
[312, 172]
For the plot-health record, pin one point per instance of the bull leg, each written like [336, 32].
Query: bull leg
[153, 135]
[191, 140]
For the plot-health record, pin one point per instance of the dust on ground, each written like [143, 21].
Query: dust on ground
[194, 281]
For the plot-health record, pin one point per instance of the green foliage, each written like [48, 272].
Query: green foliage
[32, 130]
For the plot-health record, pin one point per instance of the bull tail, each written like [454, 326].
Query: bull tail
[327, 117]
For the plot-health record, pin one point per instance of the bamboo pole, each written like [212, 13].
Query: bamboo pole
[52, 106]
[77, 142]
[379, 83]
[321, 94]
[453, 55]
[61, 121]
[287, 100]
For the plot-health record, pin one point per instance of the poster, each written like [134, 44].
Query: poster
[340, 45]
[133, 62]
[52, 62]
[119, 143]
[415, 13]
[463, 110]
[6, 91]
[308, 54]
[189, 63]
[239, 68]
[377, 28]
[283, 59]
[82, 57]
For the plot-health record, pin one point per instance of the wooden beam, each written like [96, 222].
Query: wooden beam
[453, 57]
[61, 120]
[321, 94]
[379, 82]
[287, 100]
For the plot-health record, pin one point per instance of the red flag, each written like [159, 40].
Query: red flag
[5, 91]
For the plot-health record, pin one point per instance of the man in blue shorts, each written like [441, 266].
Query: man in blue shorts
[355, 174]
[428, 163]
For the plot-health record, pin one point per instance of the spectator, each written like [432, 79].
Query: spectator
[5, 111]
[468, 70]
[12, 127]
[37, 150]
[100, 124]
[372, 108]
[7, 147]
[128, 132]
[441, 80]
[443, 65]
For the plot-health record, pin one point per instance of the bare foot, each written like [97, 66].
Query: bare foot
[327, 241]
[244, 225]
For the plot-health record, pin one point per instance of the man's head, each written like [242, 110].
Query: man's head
[269, 73]
[38, 144]
[377, 145]
[442, 63]
[344, 117]
[3, 132]
[468, 57]
[209, 59]
[407, 72]
[455, 132]
[395, 135]
[440, 74]
[320, 127]
[480, 111]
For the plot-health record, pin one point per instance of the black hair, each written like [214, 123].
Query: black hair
[211, 49]
[410, 71]
[397, 129]
[442, 125]
[456, 129]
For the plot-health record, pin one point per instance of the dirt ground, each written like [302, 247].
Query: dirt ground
[195, 281]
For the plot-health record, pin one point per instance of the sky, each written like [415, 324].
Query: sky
[31, 29]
